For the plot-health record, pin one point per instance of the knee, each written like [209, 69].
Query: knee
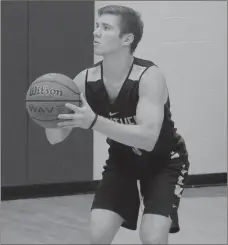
[104, 225]
[152, 237]
[102, 234]
[97, 237]
[154, 229]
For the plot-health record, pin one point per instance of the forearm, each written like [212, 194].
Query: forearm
[131, 135]
[55, 135]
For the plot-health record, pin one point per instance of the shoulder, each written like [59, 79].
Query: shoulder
[153, 84]
[155, 73]
[80, 78]
[143, 62]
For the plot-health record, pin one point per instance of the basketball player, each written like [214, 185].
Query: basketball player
[126, 99]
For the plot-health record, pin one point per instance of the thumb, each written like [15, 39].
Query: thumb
[83, 99]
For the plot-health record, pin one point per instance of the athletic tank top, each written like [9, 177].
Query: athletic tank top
[123, 110]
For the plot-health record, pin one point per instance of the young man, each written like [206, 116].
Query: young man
[126, 99]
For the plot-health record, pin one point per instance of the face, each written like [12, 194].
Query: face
[107, 35]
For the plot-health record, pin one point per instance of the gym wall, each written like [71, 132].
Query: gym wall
[37, 38]
[188, 41]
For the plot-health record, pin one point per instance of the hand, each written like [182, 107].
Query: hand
[82, 116]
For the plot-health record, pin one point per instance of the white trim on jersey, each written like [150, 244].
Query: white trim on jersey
[136, 72]
[94, 74]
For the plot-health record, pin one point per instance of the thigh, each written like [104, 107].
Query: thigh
[104, 226]
[118, 193]
[154, 229]
[163, 190]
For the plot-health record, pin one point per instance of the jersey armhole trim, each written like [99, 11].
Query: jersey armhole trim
[143, 73]
[86, 83]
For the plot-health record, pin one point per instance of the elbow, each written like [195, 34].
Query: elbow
[55, 136]
[53, 142]
[146, 145]
[149, 140]
[149, 147]
[149, 144]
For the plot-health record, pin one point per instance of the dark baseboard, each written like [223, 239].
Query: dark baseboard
[206, 180]
[63, 189]
[48, 190]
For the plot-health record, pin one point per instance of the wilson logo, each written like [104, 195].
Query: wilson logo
[43, 90]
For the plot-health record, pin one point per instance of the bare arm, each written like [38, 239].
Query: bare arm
[149, 115]
[56, 135]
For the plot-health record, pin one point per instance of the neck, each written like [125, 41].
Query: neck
[117, 65]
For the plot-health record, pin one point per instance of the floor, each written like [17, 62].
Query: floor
[65, 220]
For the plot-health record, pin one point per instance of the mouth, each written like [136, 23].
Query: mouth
[96, 42]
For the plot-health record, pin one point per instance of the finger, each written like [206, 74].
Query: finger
[66, 116]
[83, 99]
[73, 107]
[61, 126]
[70, 116]
[66, 124]
[73, 123]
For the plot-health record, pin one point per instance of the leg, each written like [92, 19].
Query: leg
[104, 226]
[154, 229]
[116, 203]
[162, 193]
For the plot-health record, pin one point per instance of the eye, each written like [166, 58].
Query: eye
[106, 28]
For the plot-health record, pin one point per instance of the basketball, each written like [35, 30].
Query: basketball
[47, 96]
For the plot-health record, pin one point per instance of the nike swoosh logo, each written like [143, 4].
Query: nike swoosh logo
[112, 114]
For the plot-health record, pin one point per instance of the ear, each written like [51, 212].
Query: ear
[128, 39]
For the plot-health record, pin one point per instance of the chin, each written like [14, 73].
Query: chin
[99, 53]
[103, 53]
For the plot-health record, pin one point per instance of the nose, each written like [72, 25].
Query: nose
[97, 32]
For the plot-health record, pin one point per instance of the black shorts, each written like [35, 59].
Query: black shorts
[161, 190]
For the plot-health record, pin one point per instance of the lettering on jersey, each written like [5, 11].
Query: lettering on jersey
[130, 121]
[125, 120]
[44, 90]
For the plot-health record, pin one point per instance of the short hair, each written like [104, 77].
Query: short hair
[130, 21]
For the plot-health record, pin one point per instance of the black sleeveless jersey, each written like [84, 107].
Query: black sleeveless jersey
[123, 110]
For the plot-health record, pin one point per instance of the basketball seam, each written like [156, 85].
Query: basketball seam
[63, 85]
[56, 119]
